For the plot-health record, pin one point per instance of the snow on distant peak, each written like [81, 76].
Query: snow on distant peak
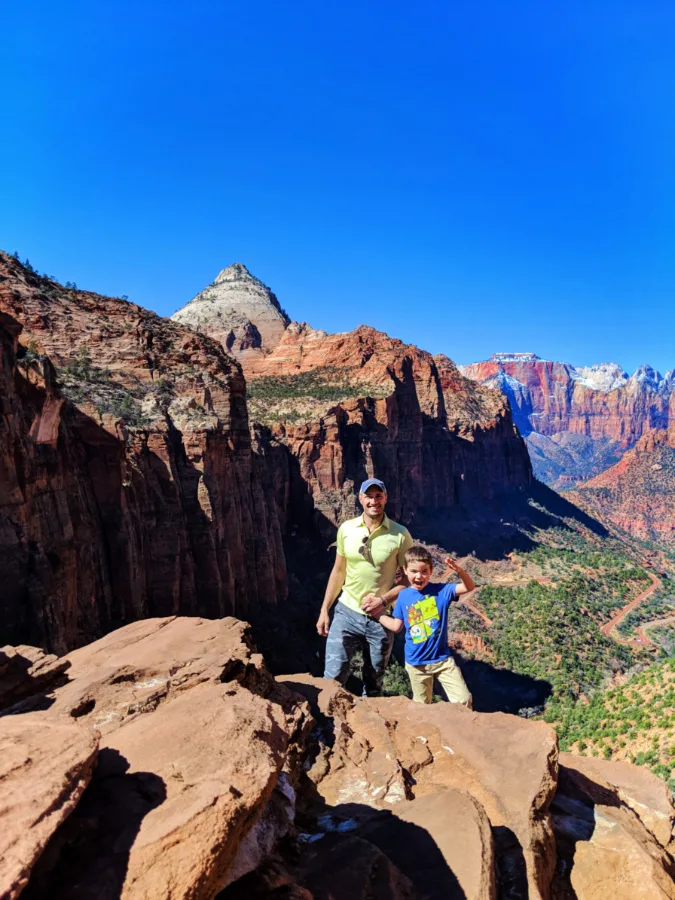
[647, 375]
[514, 357]
[501, 380]
[604, 377]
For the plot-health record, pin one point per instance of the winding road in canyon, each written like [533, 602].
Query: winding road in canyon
[641, 640]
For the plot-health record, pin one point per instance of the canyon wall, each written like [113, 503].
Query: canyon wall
[638, 493]
[361, 404]
[596, 401]
[577, 421]
[138, 478]
[128, 487]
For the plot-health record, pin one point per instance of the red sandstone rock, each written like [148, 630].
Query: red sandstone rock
[345, 867]
[133, 670]
[638, 493]
[556, 397]
[45, 765]
[103, 522]
[195, 734]
[27, 670]
[647, 795]
[203, 756]
[442, 842]
[437, 439]
[388, 752]
[605, 852]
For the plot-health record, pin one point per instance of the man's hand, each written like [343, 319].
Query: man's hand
[372, 604]
[323, 624]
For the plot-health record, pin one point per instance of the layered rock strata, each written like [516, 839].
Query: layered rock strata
[128, 484]
[578, 420]
[349, 406]
[637, 494]
[596, 401]
[179, 767]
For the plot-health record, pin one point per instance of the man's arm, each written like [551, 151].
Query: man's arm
[335, 583]
[467, 584]
[371, 603]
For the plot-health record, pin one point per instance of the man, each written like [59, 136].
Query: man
[370, 548]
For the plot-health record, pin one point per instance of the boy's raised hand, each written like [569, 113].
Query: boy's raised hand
[451, 564]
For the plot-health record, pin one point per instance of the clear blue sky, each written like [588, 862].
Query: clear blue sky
[470, 177]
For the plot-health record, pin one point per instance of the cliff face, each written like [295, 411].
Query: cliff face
[603, 410]
[238, 311]
[597, 401]
[348, 406]
[638, 493]
[128, 487]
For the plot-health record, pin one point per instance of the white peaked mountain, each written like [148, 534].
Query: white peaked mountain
[238, 310]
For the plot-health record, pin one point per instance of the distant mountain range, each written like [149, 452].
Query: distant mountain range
[577, 421]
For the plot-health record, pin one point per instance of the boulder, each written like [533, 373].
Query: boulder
[647, 795]
[135, 669]
[604, 850]
[194, 736]
[345, 867]
[387, 752]
[441, 842]
[45, 767]
[27, 670]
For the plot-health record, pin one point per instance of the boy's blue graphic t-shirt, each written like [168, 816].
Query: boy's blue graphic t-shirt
[425, 616]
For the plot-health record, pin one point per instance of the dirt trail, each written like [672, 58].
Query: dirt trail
[641, 640]
[653, 623]
[476, 609]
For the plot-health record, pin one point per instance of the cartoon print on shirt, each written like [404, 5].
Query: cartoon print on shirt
[423, 619]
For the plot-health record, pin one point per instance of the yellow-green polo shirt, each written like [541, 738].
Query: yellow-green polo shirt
[387, 545]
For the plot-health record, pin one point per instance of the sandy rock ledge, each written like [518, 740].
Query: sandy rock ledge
[166, 762]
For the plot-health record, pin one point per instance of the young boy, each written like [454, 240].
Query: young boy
[422, 609]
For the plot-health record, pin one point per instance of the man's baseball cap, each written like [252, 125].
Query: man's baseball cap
[372, 482]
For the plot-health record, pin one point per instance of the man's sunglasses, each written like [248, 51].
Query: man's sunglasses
[364, 550]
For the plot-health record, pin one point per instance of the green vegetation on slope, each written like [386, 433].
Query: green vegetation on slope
[82, 381]
[635, 721]
[297, 398]
[659, 605]
[551, 632]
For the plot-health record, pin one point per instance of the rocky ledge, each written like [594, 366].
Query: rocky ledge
[166, 762]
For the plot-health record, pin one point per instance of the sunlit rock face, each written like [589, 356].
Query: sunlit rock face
[238, 311]
[170, 762]
[577, 420]
[351, 405]
[638, 493]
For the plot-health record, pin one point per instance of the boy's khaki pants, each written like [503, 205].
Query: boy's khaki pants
[447, 672]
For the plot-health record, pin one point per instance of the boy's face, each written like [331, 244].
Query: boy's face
[418, 574]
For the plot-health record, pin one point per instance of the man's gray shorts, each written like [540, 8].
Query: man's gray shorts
[350, 631]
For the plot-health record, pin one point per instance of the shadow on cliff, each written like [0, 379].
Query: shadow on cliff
[501, 690]
[286, 635]
[492, 529]
[573, 815]
[493, 689]
[350, 851]
[88, 855]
